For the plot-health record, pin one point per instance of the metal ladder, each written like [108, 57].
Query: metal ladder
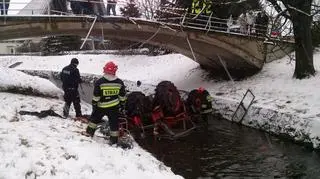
[243, 107]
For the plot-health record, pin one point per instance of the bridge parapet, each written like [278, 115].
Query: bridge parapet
[211, 49]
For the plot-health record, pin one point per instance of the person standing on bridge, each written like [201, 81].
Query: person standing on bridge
[58, 7]
[229, 23]
[76, 7]
[250, 19]
[242, 23]
[111, 6]
[99, 8]
[4, 6]
[109, 96]
[71, 79]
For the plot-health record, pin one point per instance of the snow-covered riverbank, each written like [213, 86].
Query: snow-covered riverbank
[283, 105]
[49, 147]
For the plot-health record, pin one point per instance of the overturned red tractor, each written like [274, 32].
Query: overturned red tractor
[166, 114]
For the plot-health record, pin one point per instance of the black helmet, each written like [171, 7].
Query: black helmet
[138, 83]
[75, 61]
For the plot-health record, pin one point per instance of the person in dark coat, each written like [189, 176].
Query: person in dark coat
[70, 78]
[76, 7]
[58, 6]
[262, 21]
[81, 7]
[99, 8]
[111, 6]
[4, 6]
[87, 7]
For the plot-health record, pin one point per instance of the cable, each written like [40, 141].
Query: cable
[95, 19]
[150, 37]
[194, 57]
[226, 69]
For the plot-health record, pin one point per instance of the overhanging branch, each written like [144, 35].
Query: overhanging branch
[298, 10]
[278, 8]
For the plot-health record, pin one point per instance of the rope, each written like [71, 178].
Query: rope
[134, 22]
[203, 8]
[194, 57]
[102, 35]
[209, 23]
[226, 69]
[190, 46]
[150, 37]
[183, 19]
[163, 25]
[95, 19]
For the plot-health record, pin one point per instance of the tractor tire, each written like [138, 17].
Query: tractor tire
[168, 98]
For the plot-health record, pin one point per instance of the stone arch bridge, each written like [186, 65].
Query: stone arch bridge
[240, 54]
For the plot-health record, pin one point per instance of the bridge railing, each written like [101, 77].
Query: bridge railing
[210, 23]
[46, 7]
[168, 15]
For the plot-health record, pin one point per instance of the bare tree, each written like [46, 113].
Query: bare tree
[299, 13]
[149, 8]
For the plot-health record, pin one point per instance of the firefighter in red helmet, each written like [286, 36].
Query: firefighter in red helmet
[109, 95]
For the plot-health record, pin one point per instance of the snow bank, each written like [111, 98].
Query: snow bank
[51, 148]
[281, 102]
[13, 80]
[290, 126]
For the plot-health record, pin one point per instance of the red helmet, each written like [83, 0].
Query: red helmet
[200, 89]
[110, 68]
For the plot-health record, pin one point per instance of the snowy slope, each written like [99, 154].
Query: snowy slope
[283, 105]
[50, 147]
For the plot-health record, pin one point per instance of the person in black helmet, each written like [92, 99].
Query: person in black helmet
[70, 78]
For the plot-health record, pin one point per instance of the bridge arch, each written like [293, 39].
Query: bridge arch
[211, 50]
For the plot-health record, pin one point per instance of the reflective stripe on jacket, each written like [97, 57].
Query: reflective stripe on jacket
[107, 93]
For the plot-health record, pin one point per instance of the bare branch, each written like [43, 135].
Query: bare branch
[231, 2]
[298, 10]
[279, 9]
[276, 5]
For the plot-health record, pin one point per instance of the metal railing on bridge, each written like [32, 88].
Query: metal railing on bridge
[177, 16]
[209, 23]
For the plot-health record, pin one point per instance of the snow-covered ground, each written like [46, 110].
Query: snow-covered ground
[50, 147]
[274, 86]
[283, 105]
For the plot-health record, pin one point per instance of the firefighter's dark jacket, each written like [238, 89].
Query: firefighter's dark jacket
[70, 77]
[108, 93]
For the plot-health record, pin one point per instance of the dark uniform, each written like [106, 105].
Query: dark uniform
[70, 78]
[4, 6]
[81, 7]
[111, 6]
[108, 96]
[76, 7]
[58, 6]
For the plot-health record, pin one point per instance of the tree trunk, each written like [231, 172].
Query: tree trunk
[302, 35]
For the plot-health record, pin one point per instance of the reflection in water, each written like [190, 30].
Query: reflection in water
[227, 150]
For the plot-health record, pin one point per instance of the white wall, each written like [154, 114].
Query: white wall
[8, 48]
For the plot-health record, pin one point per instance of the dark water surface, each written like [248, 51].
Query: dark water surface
[227, 150]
